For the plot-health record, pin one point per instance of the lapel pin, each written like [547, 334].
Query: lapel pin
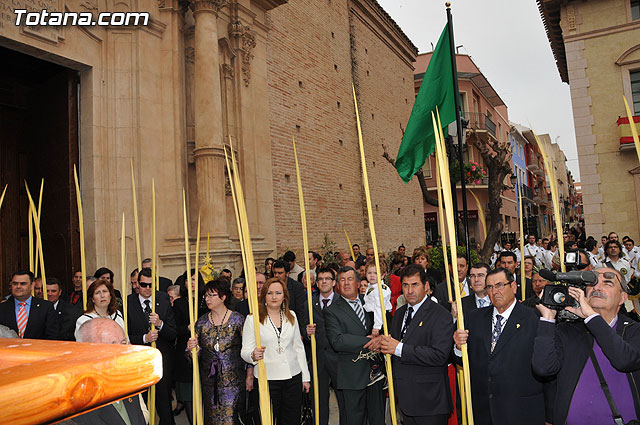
[517, 325]
[420, 324]
[130, 401]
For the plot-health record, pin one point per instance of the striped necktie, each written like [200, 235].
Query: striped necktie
[22, 319]
[462, 293]
[357, 307]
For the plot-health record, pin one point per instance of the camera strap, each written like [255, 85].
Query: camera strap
[617, 418]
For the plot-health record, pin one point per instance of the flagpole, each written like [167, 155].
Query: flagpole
[456, 93]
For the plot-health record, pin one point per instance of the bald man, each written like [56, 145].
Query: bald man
[102, 330]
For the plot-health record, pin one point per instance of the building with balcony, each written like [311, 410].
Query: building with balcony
[487, 118]
[596, 44]
[521, 147]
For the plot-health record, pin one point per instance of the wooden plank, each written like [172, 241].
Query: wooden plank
[47, 381]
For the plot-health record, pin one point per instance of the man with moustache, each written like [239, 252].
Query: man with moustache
[420, 343]
[571, 351]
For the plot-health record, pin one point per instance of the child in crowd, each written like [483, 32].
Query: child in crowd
[372, 297]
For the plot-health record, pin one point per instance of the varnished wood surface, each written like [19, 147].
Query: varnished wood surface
[46, 381]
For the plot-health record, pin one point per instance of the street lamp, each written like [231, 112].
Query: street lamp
[514, 180]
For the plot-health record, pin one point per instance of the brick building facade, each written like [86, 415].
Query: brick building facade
[169, 96]
[310, 77]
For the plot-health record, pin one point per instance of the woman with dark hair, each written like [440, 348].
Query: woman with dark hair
[282, 352]
[219, 340]
[268, 264]
[106, 274]
[182, 372]
[101, 302]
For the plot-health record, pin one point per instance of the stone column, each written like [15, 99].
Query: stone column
[208, 153]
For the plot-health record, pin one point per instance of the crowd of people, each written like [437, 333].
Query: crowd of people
[526, 367]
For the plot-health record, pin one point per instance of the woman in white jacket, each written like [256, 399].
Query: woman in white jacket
[282, 351]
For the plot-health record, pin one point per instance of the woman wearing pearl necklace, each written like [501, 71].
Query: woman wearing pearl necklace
[282, 352]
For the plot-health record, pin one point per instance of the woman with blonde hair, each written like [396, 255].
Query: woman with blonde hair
[282, 352]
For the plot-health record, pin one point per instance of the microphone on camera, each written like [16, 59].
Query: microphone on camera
[577, 277]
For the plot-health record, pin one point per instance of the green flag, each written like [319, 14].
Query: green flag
[436, 90]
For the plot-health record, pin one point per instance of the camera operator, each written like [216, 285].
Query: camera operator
[563, 351]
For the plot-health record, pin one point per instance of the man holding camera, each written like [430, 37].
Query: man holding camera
[567, 351]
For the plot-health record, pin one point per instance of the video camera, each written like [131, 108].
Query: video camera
[556, 296]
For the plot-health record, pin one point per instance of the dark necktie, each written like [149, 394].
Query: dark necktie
[325, 303]
[407, 322]
[497, 330]
[147, 309]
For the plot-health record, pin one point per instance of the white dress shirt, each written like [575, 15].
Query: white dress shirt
[143, 305]
[505, 318]
[486, 299]
[330, 298]
[534, 251]
[622, 266]
[416, 307]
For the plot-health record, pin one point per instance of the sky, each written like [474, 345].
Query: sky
[507, 41]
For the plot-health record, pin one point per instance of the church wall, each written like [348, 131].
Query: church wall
[310, 78]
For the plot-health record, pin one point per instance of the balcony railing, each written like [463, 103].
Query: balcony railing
[490, 125]
[527, 192]
[479, 121]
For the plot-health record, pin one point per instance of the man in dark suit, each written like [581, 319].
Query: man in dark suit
[163, 282]
[327, 357]
[420, 343]
[126, 411]
[297, 293]
[504, 390]
[478, 297]
[67, 313]
[442, 294]
[30, 317]
[140, 317]
[349, 330]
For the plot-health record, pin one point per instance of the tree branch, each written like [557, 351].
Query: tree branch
[419, 175]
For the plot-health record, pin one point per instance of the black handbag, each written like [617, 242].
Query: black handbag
[617, 418]
[307, 410]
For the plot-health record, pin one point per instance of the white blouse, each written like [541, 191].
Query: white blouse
[283, 366]
[117, 317]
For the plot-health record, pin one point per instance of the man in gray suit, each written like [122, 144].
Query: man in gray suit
[348, 329]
